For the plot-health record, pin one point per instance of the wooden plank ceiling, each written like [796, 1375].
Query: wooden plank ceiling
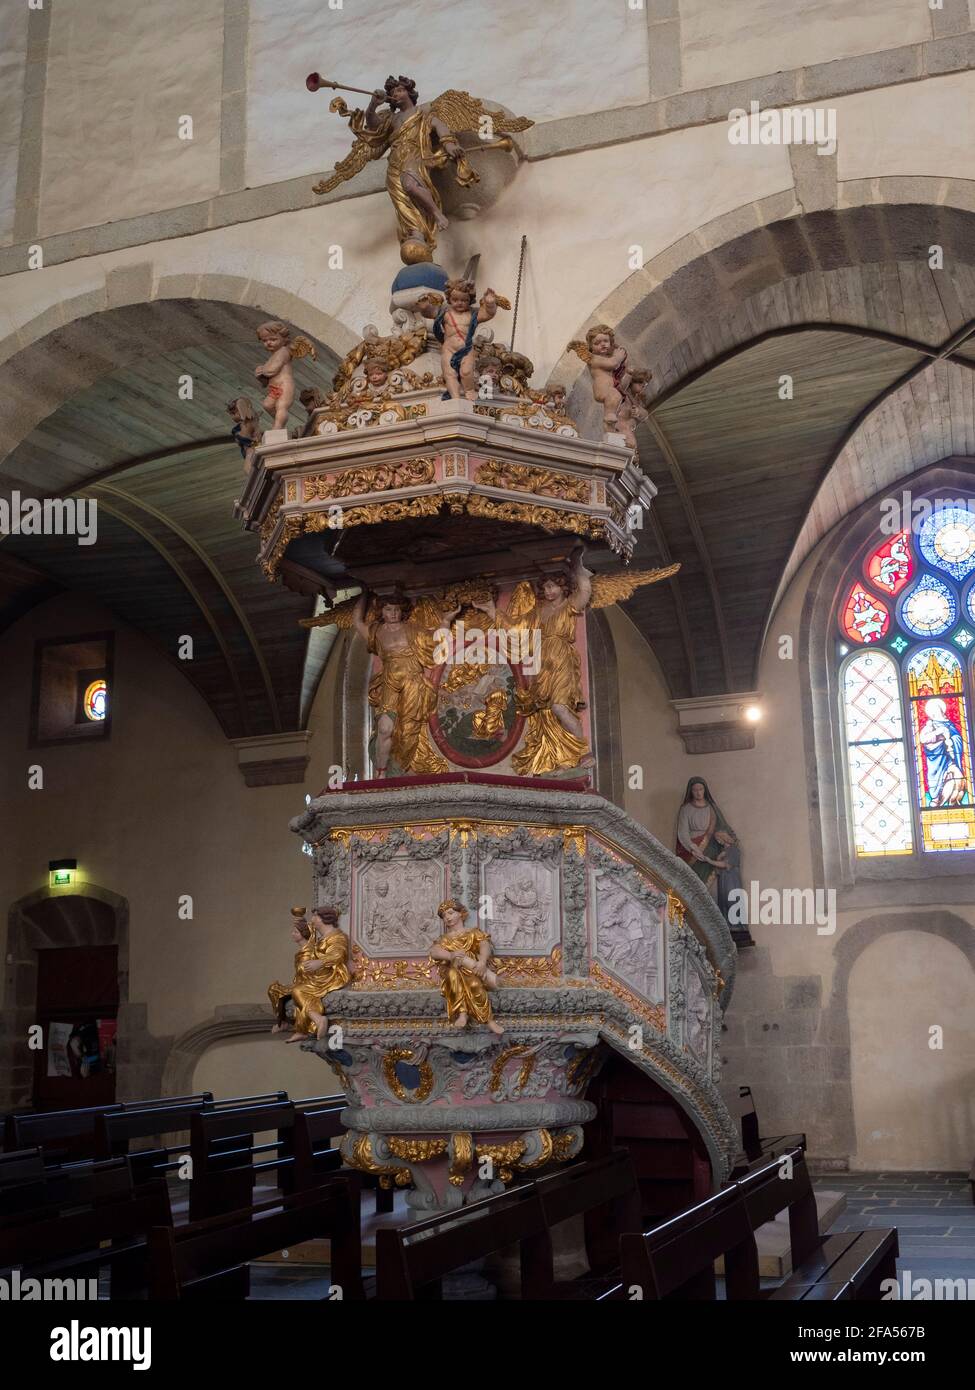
[171, 560]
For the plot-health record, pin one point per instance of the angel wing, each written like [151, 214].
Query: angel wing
[461, 111]
[340, 616]
[361, 154]
[428, 613]
[615, 588]
[580, 350]
[521, 602]
[303, 347]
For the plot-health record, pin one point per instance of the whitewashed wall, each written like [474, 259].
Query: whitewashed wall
[13, 62]
[120, 75]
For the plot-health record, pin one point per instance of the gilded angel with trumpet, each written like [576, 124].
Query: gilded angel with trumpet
[555, 737]
[418, 138]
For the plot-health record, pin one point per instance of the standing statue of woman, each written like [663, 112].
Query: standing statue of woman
[703, 834]
[708, 844]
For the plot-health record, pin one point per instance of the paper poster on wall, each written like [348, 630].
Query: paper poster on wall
[81, 1049]
[57, 1049]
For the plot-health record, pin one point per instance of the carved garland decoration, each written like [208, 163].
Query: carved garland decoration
[522, 477]
[381, 477]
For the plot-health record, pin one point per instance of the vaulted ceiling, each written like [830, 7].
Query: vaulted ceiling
[171, 559]
[797, 373]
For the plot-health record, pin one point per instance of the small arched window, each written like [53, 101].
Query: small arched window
[907, 623]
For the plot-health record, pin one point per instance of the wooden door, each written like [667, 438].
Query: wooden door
[77, 1008]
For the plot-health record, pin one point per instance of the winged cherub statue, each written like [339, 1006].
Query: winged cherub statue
[619, 388]
[419, 139]
[554, 737]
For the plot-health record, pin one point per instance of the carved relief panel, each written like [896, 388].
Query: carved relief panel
[396, 890]
[698, 1016]
[519, 885]
[628, 928]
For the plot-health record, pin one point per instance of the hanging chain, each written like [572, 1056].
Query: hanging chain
[521, 267]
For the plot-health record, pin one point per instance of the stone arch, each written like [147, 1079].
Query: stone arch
[872, 883]
[185, 1051]
[70, 346]
[770, 266]
[835, 1029]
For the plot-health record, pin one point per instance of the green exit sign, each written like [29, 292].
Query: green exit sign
[63, 872]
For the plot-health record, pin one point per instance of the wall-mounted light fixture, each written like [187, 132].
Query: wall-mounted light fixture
[64, 872]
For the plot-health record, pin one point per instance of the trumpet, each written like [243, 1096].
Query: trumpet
[315, 82]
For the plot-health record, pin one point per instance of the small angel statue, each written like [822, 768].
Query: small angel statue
[618, 388]
[454, 326]
[276, 372]
[419, 139]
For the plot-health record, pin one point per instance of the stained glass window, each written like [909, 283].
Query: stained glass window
[875, 754]
[930, 608]
[891, 566]
[906, 692]
[947, 540]
[942, 755]
[95, 700]
[865, 618]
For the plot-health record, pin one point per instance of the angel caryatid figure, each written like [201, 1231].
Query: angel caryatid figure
[619, 388]
[463, 958]
[555, 737]
[419, 139]
[321, 966]
[401, 692]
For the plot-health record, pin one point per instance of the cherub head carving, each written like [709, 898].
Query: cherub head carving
[376, 372]
[601, 340]
[460, 294]
[274, 334]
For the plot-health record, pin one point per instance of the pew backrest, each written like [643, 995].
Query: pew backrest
[56, 1131]
[414, 1258]
[676, 1259]
[191, 1257]
[783, 1184]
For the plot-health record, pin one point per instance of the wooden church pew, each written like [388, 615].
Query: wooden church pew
[199, 1260]
[412, 1262]
[223, 1151]
[676, 1259]
[315, 1156]
[604, 1192]
[105, 1223]
[859, 1259]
